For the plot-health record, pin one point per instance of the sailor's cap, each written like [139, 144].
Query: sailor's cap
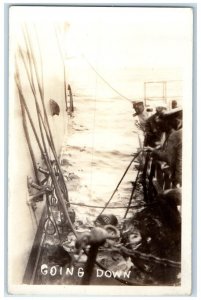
[135, 103]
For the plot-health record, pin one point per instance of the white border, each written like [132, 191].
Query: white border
[198, 106]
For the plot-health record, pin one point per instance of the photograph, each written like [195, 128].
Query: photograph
[100, 150]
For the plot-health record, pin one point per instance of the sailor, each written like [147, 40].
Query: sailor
[171, 152]
[141, 113]
[153, 133]
[174, 104]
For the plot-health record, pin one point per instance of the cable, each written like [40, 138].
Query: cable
[105, 80]
[135, 156]
[47, 160]
[132, 193]
[41, 92]
[150, 257]
[49, 134]
[64, 69]
[114, 207]
[27, 136]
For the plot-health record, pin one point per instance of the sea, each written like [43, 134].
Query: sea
[99, 145]
[102, 138]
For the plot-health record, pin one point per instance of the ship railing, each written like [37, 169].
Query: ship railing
[157, 177]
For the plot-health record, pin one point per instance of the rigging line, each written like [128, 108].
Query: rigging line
[64, 69]
[65, 209]
[32, 211]
[50, 218]
[51, 144]
[31, 82]
[105, 80]
[57, 188]
[56, 226]
[41, 119]
[135, 156]
[132, 193]
[42, 240]
[150, 257]
[57, 161]
[40, 86]
[114, 207]
[18, 83]
[144, 256]
[29, 117]
[41, 60]
[27, 136]
[40, 248]
[32, 219]
[29, 49]
[56, 185]
[93, 136]
[29, 74]
[55, 182]
[48, 163]
[28, 55]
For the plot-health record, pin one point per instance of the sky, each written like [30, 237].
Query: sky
[133, 37]
[120, 36]
[124, 45]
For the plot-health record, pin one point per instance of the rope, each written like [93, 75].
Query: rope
[64, 70]
[51, 144]
[132, 193]
[50, 213]
[49, 134]
[41, 92]
[40, 246]
[114, 207]
[43, 147]
[144, 256]
[150, 257]
[47, 160]
[135, 156]
[27, 136]
[41, 60]
[105, 80]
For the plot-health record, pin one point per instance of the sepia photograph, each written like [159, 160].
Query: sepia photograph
[100, 150]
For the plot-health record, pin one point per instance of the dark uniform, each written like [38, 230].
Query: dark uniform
[172, 155]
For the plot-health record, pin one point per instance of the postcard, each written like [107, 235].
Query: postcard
[100, 150]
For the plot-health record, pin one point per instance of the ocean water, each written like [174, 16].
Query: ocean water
[101, 136]
[98, 147]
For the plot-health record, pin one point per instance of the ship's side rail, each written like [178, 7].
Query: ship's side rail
[160, 176]
[156, 177]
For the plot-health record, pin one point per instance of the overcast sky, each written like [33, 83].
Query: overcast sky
[134, 36]
[148, 43]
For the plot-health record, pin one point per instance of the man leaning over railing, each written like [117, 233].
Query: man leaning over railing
[171, 151]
